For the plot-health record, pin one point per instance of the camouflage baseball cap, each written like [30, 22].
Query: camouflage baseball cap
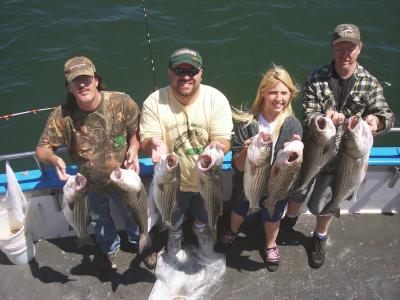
[346, 33]
[185, 55]
[78, 66]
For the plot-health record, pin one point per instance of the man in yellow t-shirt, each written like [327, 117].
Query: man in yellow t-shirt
[186, 117]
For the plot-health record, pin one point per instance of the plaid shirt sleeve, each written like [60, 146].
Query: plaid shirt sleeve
[377, 105]
[366, 98]
[311, 102]
[317, 96]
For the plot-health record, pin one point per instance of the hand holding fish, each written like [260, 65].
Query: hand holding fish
[61, 169]
[240, 159]
[295, 137]
[247, 143]
[336, 117]
[158, 149]
[219, 144]
[132, 160]
[374, 123]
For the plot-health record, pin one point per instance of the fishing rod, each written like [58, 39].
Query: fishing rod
[149, 44]
[32, 111]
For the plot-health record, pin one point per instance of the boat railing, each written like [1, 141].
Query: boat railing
[21, 155]
[29, 154]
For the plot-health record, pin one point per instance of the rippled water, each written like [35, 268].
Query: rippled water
[238, 40]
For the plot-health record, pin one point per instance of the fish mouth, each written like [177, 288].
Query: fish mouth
[116, 174]
[205, 161]
[265, 137]
[321, 123]
[80, 181]
[293, 157]
[172, 161]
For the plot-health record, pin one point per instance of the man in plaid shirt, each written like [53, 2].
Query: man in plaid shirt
[338, 90]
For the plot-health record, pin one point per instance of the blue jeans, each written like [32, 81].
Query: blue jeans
[106, 234]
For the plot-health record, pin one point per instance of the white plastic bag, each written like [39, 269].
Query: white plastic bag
[15, 198]
[189, 277]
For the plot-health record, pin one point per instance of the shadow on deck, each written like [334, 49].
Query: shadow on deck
[363, 262]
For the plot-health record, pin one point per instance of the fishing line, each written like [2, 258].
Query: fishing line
[149, 44]
[32, 111]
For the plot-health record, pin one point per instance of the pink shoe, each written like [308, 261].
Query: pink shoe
[228, 237]
[272, 259]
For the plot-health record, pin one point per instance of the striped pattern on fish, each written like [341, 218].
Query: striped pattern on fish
[319, 149]
[208, 168]
[75, 206]
[284, 172]
[256, 169]
[135, 198]
[166, 182]
[354, 149]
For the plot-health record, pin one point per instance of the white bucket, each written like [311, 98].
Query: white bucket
[19, 247]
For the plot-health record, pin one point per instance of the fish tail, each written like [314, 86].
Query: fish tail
[213, 231]
[330, 210]
[253, 210]
[336, 212]
[270, 207]
[271, 210]
[165, 226]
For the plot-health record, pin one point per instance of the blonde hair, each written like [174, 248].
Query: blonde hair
[269, 80]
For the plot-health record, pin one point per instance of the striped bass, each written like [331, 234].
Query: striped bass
[319, 149]
[256, 169]
[209, 174]
[75, 207]
[166, 182]
[135, 198]
[284, 172]
[352, 165]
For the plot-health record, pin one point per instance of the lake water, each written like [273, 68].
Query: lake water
[238, 41]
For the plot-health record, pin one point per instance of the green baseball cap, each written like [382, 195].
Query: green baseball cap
[78, 66]
[185, 55]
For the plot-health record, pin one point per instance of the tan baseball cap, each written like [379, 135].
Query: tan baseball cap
[78, 66]
[346, 33]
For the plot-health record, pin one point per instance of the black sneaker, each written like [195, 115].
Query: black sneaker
[316, 255]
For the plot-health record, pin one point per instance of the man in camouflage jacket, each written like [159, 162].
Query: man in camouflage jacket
[100, 130]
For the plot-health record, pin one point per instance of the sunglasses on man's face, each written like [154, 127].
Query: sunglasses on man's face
[183, 72]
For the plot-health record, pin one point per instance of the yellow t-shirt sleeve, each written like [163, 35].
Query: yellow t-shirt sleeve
[150, 126]
[221, 123]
